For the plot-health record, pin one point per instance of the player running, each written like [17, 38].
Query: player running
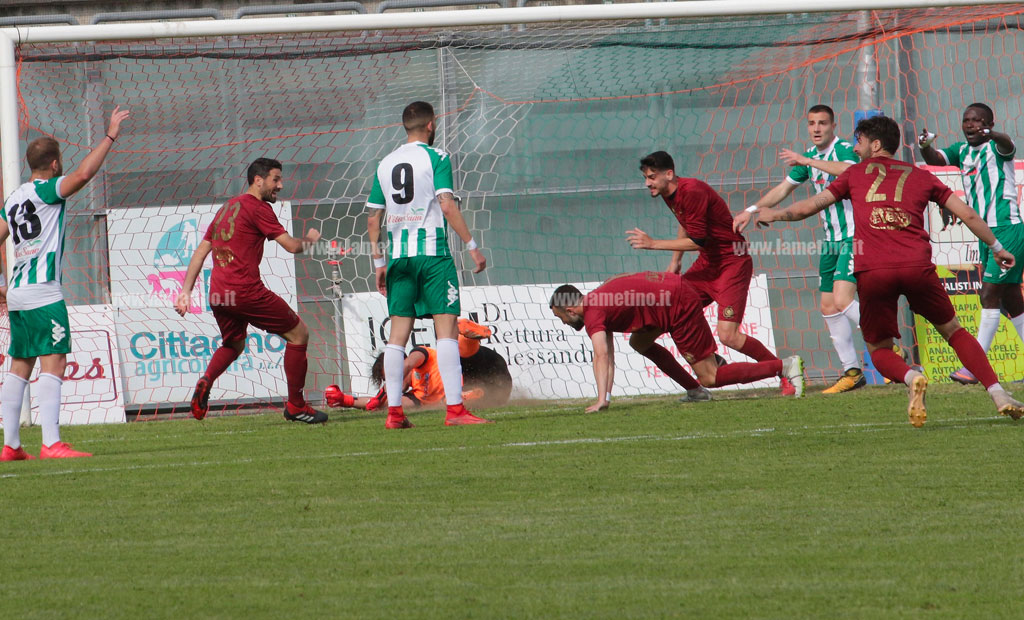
[413, 186]
[889, 201]
[33, 216]
[827, 158]
[723, 268]
[985, 160]
[647, 305]
[238, 297]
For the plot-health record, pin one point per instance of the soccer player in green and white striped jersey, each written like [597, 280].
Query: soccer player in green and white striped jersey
[826, 159]
[33, 216]
[413, 192]
[985, 160]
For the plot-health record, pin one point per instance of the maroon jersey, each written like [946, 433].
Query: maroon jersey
[626, 303]
[704, 215]
[889, 201]
[238, 233]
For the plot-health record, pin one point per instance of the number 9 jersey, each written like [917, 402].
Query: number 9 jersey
[406, 185]
[35, 216]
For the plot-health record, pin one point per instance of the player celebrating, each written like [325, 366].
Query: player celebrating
[650, 304]
[414, 186]
[723, 268]
[238, 297]
[889, 200]
[986, 168]
[33, 216]
[826, 159]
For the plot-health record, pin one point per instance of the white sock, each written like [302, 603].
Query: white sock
[995, 387]
[450, 365]
[1018, 324]
[907, 378]
[852, 312]
[394, 373]
[49, 407]
[11, 395]
[988, 327]
[842, 339]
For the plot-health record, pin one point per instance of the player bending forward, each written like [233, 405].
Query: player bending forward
[662, 302]
[889, 201]
[33, 216]
[238, 297]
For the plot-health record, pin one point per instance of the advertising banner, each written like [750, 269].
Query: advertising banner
[547, 360]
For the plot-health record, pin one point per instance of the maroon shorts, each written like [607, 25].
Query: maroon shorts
[691, 332]
[264, 310]
[725, 281]
[879, 291]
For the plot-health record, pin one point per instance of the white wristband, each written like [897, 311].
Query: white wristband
[471, 244]
[995, 247]
[752, 209]
[380, 262]
[3, 280]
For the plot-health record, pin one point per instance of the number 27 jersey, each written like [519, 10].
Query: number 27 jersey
[406, 186]
[34, 213]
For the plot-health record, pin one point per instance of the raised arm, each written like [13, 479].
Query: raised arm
[931, 156]
[799, 210]
[835, 168]
[453, 215]
[774, 196]
[87, 169]
[295, 245]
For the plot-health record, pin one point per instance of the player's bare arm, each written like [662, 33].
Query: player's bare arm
[1004, 143]
[931, 156]
[76, 179]
[799, 210]
[377, 252]
[182, 303]
[676, 264]
[639, 240]
[835, 168]
[296, 245]
[603, 353]
[980, 229]
[774, 196]
[453, 215]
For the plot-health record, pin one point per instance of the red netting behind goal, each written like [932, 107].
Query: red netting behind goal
[545, 124]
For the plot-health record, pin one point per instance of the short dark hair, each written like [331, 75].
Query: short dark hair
[565, 296]
[417, 115]
[377, 370]
[883, 129]
[659, 161]
[261, 168]
[821, 107]
[984, 108]
[42, 152]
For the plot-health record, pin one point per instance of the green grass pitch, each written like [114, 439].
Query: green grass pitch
[825, 507]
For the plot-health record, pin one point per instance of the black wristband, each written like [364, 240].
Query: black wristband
[111, 138]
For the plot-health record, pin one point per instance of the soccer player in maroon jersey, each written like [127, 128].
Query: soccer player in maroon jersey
[893, 257]
[647, 305]
[722, 270]
[238, 296]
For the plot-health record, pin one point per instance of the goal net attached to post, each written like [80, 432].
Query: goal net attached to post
[545, 124]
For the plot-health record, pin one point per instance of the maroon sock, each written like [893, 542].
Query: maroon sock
[890, 365]
[295, 372]
[973, 357]
[220, 361]
[745, 372]
[753, 349]
[666, 363]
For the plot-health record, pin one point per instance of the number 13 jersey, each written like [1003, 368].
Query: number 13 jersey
[35, 216]
[407, 184]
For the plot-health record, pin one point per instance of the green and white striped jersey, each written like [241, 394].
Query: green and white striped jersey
[35, 217]
[414, 175]
[988, 179]
[838, 218]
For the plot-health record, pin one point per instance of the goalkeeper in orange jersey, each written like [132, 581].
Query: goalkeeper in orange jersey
[486, 378]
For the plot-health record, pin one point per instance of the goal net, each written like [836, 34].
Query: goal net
[545, 124]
